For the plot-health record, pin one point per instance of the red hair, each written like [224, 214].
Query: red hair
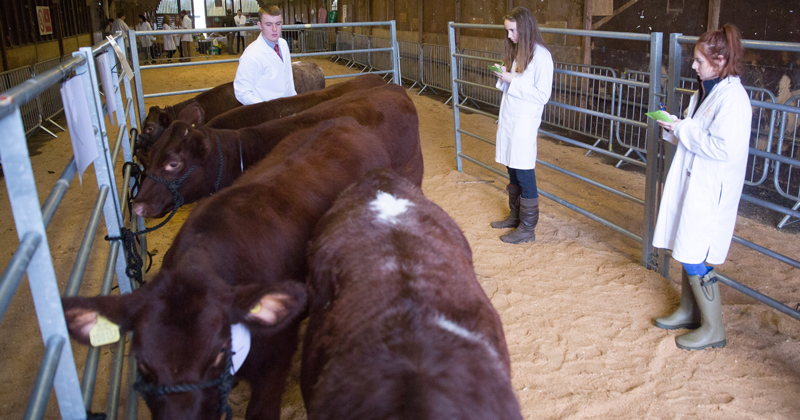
[725, 42]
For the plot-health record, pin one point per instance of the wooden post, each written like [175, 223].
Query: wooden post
[713, 15]
[510, 6]
[587, 24]
[458, 20]
[587, 57]
[57, 27]
[390, 5]
[420, 22]
[3, 42]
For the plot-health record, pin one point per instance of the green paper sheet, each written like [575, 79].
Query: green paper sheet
[659, 116]
[495, 68]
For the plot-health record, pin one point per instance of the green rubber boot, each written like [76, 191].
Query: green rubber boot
[512, 220]
[711, 332]
[528, 219]
[687, 315]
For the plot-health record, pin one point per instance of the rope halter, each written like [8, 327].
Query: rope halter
[224, 384]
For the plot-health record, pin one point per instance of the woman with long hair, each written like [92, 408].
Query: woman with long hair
[169, 40]
[145, 42]
[701, 196]
[526, 85]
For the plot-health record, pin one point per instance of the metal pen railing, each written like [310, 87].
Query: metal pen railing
[58, 369]
[362, 54]
[576, 114]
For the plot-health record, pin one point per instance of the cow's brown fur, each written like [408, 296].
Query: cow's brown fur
[183, 146]
[308, 78]
[382, 295]
[242, 246]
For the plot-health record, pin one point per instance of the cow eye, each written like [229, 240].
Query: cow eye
[148, 129]
[221, 357]
[173, 166]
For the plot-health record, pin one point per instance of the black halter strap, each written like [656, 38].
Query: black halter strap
[224, 384]
[128, 237]
[177, 198]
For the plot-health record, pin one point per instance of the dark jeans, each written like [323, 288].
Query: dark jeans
[525, 178]
[239, 38]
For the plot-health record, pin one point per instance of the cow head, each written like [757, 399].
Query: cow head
[182, 335]
[183, 149]
[154, 125]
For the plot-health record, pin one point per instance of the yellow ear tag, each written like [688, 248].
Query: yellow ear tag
[255, 309]
[104, 332]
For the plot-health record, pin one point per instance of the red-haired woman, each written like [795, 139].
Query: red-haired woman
[704, 184]
[526, 86]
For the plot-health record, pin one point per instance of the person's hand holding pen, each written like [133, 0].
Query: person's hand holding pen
[669, 126]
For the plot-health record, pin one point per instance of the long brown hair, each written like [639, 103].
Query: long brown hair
[528, 38]
[725, 42]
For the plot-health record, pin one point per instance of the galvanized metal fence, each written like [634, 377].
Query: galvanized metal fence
[58, 370]
[436, 67]
[31, 117]
[580, 100]
[50, 100]
[763, 110]
[355, 42]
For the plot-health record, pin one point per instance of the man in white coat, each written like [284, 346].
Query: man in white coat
[265, 68]
[186, 39]
[240, 20]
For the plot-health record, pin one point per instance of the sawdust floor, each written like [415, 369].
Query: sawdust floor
[577, 306]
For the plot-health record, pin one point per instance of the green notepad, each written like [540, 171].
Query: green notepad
[495, 68]
[659, 116]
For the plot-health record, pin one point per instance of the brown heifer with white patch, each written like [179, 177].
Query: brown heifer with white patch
[308, 77]
[230, 266]
[186, 160]
[399, 327]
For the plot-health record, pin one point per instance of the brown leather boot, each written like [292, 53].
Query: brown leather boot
[528, 219]
[512, 220]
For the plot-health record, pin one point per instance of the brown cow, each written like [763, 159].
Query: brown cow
[399, 327]
[232, 263]
[308, 78]
[182, 148]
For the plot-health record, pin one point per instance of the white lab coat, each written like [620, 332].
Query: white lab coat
[521, 111]
[187, 24]
[240, 21]
[169, 40]
[120, 25]
[261, 75]
[701, 196]
[144, 41]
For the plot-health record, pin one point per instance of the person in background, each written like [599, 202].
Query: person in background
[120, 25]
[240, 20]
[186, 39]
[526, 87]
[107, 29]
[265, 68]
[145, 42]
[169, 40]
[176, 37]
[698, 208]
[229, 22]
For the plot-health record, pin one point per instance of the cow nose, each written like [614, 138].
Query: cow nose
[138, 208]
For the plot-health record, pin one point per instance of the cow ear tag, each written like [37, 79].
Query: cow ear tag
[256, 308]
[103, 332]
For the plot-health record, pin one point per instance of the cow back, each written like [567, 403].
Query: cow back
[399, 326]
[255, 114]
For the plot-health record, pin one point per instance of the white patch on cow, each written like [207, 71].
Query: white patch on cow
[240, 345]
[389, 207]
[464, 333]
[390, 265]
